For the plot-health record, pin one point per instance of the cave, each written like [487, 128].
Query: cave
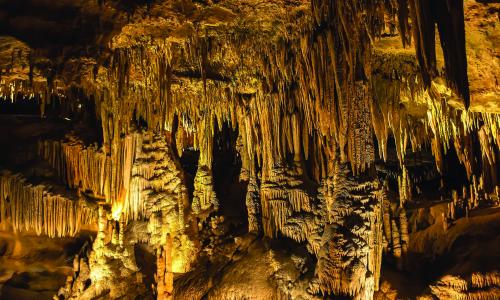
[247, 149]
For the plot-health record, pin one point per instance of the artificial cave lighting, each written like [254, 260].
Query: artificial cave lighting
[245, 149]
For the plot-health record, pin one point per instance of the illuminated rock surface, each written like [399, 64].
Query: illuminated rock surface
[243, 149]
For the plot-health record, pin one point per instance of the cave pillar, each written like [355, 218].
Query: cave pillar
[349, 260]
[249, 174]
[204, 198]
[350, 257]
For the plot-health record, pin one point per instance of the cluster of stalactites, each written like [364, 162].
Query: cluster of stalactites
[142, 85]
[443, 125]
[77, 166]
[34, 207]
[327, 107]
[449, 18]
[348, 57]
[391, 117]
[462, 129]
[330, 68]
[312, 80]
[90, 169]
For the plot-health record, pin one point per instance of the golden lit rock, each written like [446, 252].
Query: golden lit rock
[243, 149]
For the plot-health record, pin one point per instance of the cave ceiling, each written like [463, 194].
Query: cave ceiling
[249, 149]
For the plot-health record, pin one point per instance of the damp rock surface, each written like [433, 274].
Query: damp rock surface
[244, 149]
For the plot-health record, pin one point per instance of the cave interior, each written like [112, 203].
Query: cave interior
[250, 149]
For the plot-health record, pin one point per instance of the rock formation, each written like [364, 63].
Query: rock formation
[243, 149]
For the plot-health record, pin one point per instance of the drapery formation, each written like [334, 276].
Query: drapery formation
[91, 170]
[35, 208]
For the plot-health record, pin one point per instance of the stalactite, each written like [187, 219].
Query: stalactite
[360, 140]
[380, 128]
[90, 169]
[449, 18]
[35, 207]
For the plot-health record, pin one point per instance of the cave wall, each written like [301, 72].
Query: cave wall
[331, 108]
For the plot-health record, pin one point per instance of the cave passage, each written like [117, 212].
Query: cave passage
[245, 149]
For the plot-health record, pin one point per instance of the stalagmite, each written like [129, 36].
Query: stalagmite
[204, 195]
[343, 261]
[253, 206]
[403, 225]
[163, 194]
[396, 243]
[454, 205]
[386, 216]
[164, 276]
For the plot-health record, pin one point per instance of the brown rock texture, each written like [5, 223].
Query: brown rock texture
[247, 149]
